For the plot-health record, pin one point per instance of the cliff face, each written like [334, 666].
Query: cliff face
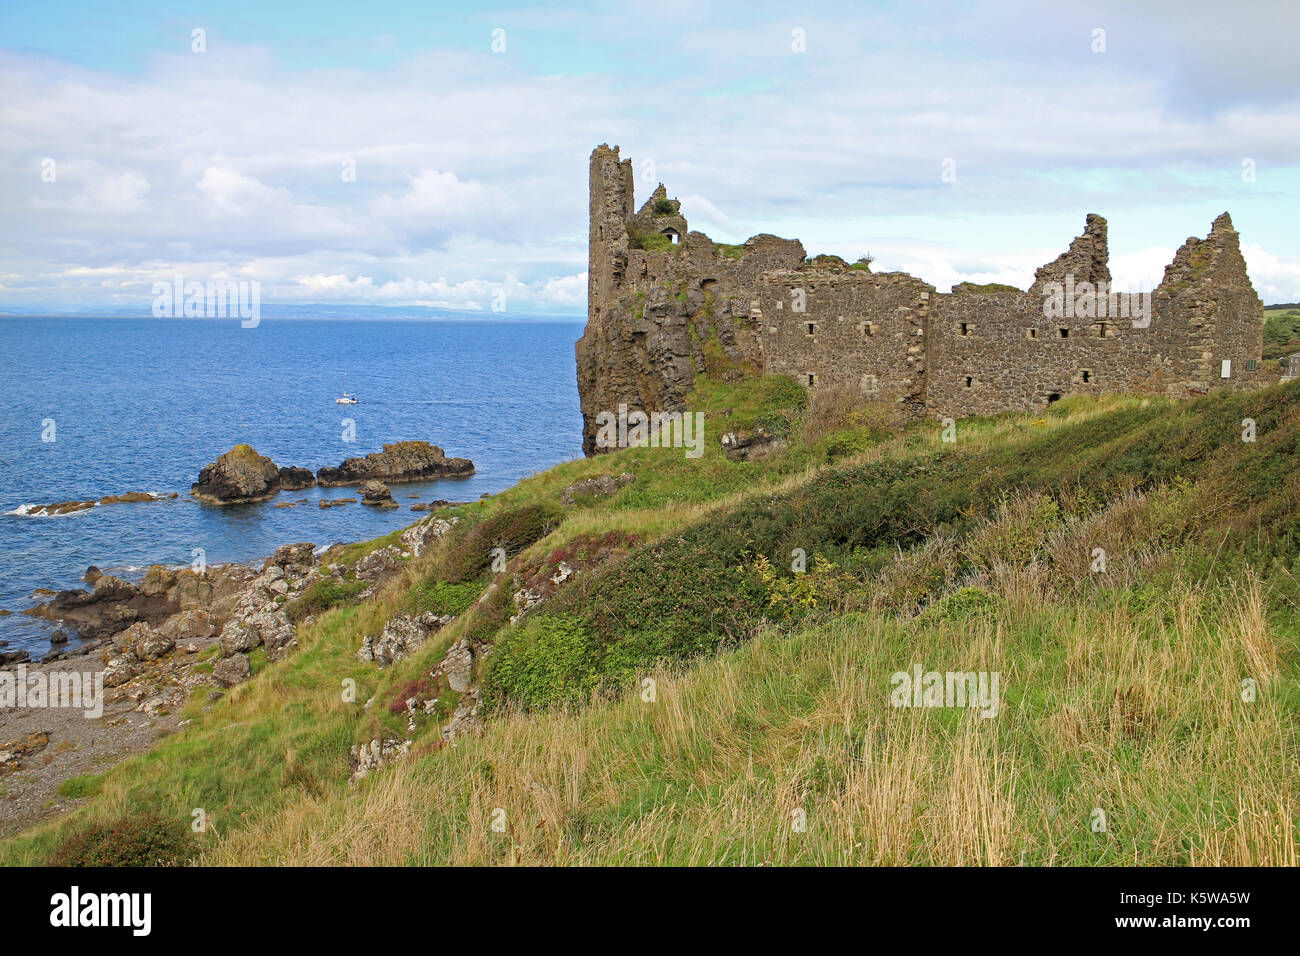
[665, 303]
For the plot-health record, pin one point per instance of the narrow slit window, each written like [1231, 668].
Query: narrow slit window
[965, 329]
[970, 382]
[812, 328]
[1033, 333]
[1064, 333]
[1087, 376]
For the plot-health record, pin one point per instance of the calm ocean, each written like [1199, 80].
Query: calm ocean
[143, 404]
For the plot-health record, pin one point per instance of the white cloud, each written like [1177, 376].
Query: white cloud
[471, 168]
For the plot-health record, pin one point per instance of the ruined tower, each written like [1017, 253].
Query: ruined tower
[665, 304]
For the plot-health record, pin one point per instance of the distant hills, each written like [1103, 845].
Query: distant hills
[322, 311]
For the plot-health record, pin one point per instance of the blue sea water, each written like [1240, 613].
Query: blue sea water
[143, 404]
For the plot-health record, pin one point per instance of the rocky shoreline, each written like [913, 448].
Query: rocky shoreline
[176, 634]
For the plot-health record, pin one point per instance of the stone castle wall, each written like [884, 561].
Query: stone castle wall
[664, 303]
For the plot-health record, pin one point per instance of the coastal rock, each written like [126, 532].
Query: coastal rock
[109, 588]
[59, 637]
[399, 461]
[158, 580]
[12, 753]
[458, 666]
[376, 495]
[143, 641]
[192, 624]
[134, 496]
[419, 536]
[365, 758]
[379, 563]
[302, 555]
[119, 670]
[465, 720]
[14, 657]
[237, 637]
[750, 446]
[92, 575]
[239, 476]
[400, 636]
[296, 479]
[336, 502]
[597, 486]
[232, 670]
[434, 505]
[58, 508]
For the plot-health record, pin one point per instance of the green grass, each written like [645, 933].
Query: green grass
[1121, 689]
[86, 785]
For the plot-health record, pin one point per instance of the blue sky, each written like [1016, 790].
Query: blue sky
[831, 123]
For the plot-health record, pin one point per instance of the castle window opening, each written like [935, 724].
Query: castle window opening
[970, 382]
[1101, 330]
[1225, 369]
[673, 235]
[1033, 333]
[1054, 397]
[965, 329]
[1252, 364]
[1063, 333]
[1087, 376]
[812, 328]
[812, 379]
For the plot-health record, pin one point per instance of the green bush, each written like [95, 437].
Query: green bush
[145, 839]
[325, 593]
[440, 597]
[470, 553]
[544, 662]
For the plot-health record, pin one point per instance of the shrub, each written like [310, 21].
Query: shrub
[324, 594]
[511, 530]
[545, 661]
[442, 597]
[145, 839]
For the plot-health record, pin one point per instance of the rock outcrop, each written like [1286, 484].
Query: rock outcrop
[400, 636]
[420, 536]
[376, 495]
[398, 462]
[240, 476]
[296, 479]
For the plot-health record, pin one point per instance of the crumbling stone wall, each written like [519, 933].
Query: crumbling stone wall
[665, 303]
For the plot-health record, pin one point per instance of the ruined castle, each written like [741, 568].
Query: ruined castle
[664, 303]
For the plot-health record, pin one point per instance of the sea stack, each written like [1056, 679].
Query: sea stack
[240, 476]
[398, 462]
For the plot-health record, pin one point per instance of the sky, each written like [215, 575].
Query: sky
[436, 154]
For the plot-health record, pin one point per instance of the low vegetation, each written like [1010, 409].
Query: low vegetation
[704, 674]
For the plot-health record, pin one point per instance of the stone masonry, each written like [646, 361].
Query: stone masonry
[664, 303]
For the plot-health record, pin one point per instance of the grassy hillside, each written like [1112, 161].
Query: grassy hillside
[688, 697]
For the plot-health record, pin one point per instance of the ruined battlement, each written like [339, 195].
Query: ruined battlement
[665, 303]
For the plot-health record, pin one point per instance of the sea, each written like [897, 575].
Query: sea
[91, 407]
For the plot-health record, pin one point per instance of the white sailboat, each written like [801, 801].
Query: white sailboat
[345, 398]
